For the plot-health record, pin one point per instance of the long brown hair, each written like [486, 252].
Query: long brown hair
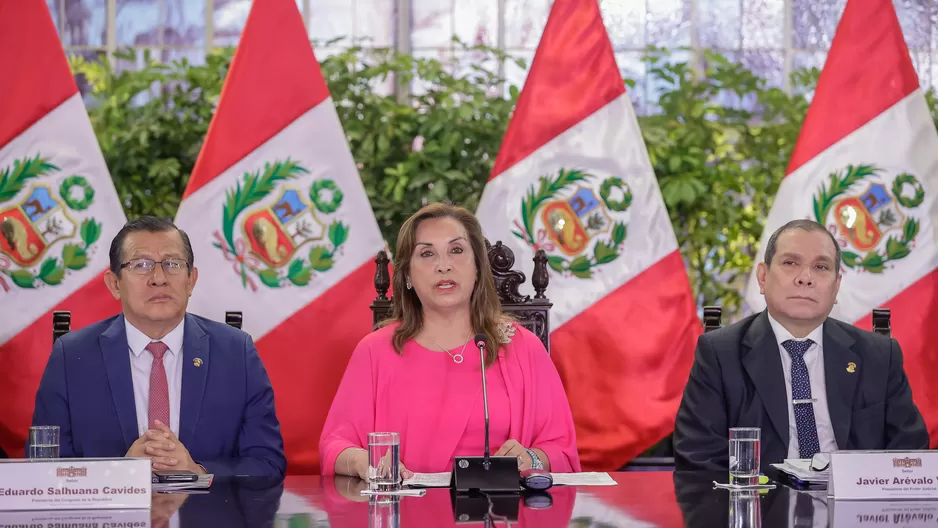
[485, 307]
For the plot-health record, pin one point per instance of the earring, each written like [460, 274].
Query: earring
[409, 285]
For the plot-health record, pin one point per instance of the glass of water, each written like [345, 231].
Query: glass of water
[384, 456]
[44, 441]
[745, 455]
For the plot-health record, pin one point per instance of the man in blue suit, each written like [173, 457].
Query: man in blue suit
[189, 393]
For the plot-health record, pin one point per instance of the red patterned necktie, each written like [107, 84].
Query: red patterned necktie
[159, 390]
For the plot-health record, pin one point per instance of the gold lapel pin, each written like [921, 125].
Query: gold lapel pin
[851, 367]
[198, 362]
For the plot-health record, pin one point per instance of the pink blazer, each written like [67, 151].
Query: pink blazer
[427, 400]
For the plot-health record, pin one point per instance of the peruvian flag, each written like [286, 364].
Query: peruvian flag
[58, 210]
[866, 166]
[573, 178]
[280, 223]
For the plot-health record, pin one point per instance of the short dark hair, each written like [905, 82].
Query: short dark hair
[148, 224]
[807, 225]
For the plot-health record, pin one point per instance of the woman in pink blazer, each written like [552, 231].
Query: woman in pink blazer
[419, 375]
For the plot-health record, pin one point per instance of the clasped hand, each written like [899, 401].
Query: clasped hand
[164, 450]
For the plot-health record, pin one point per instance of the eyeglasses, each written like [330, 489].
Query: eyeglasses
[145, 266]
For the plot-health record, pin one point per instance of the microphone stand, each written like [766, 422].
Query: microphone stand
[482, 485]
[486, 463]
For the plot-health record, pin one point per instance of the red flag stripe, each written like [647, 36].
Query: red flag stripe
[278, 80]
[642, 350]
[36, 72]
[914, 313]
[24, 358]
[302, 345]
[868, 70]
[574, 74]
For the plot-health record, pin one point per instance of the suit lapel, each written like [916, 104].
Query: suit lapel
[764, 365]
[841, 382]
[195, 366]
[114, 346]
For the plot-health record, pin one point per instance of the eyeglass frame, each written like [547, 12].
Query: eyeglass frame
[161, 263]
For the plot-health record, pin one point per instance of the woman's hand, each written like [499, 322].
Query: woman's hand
[360, 465]
[406, 473]
[515, 449]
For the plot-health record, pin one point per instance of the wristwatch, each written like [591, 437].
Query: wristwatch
[535, 461]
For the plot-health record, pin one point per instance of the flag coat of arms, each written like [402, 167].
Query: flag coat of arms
[280, 224]
[573, 178]
[58, 209]
[866, 167]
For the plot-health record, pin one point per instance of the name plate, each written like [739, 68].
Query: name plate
[75, 484]
[883, 475]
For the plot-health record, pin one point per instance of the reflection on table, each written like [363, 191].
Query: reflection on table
[641, 499]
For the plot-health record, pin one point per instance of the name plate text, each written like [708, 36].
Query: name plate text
[883, 475]
[75, 484]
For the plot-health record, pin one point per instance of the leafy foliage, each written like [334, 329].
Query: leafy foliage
[438, 145]
[150, 123]
[719, 164]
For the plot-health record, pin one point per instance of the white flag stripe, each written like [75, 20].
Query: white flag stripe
[65, 136]
[314, 140]
[901, 139]
[607, 143]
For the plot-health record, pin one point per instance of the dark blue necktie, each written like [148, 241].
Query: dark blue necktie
[808, 442]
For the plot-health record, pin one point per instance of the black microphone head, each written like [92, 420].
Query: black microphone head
[480, 339]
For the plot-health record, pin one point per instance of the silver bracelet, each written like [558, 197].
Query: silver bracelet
[535, 460]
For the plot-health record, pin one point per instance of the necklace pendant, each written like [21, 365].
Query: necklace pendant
[457, 358]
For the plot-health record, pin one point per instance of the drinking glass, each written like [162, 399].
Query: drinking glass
[44, 441]
[745, 455]
[384, 456]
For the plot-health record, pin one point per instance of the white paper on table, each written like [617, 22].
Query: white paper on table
[428, 480]
[801, 469]
[442, 480]
[583, 479]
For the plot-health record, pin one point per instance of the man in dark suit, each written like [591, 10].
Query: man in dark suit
[187, 392]
[811, 383]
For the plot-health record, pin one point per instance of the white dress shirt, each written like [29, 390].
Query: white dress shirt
[140, 362]
[814, 359]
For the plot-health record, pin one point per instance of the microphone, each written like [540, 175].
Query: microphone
[487, 474]
[480, 342]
